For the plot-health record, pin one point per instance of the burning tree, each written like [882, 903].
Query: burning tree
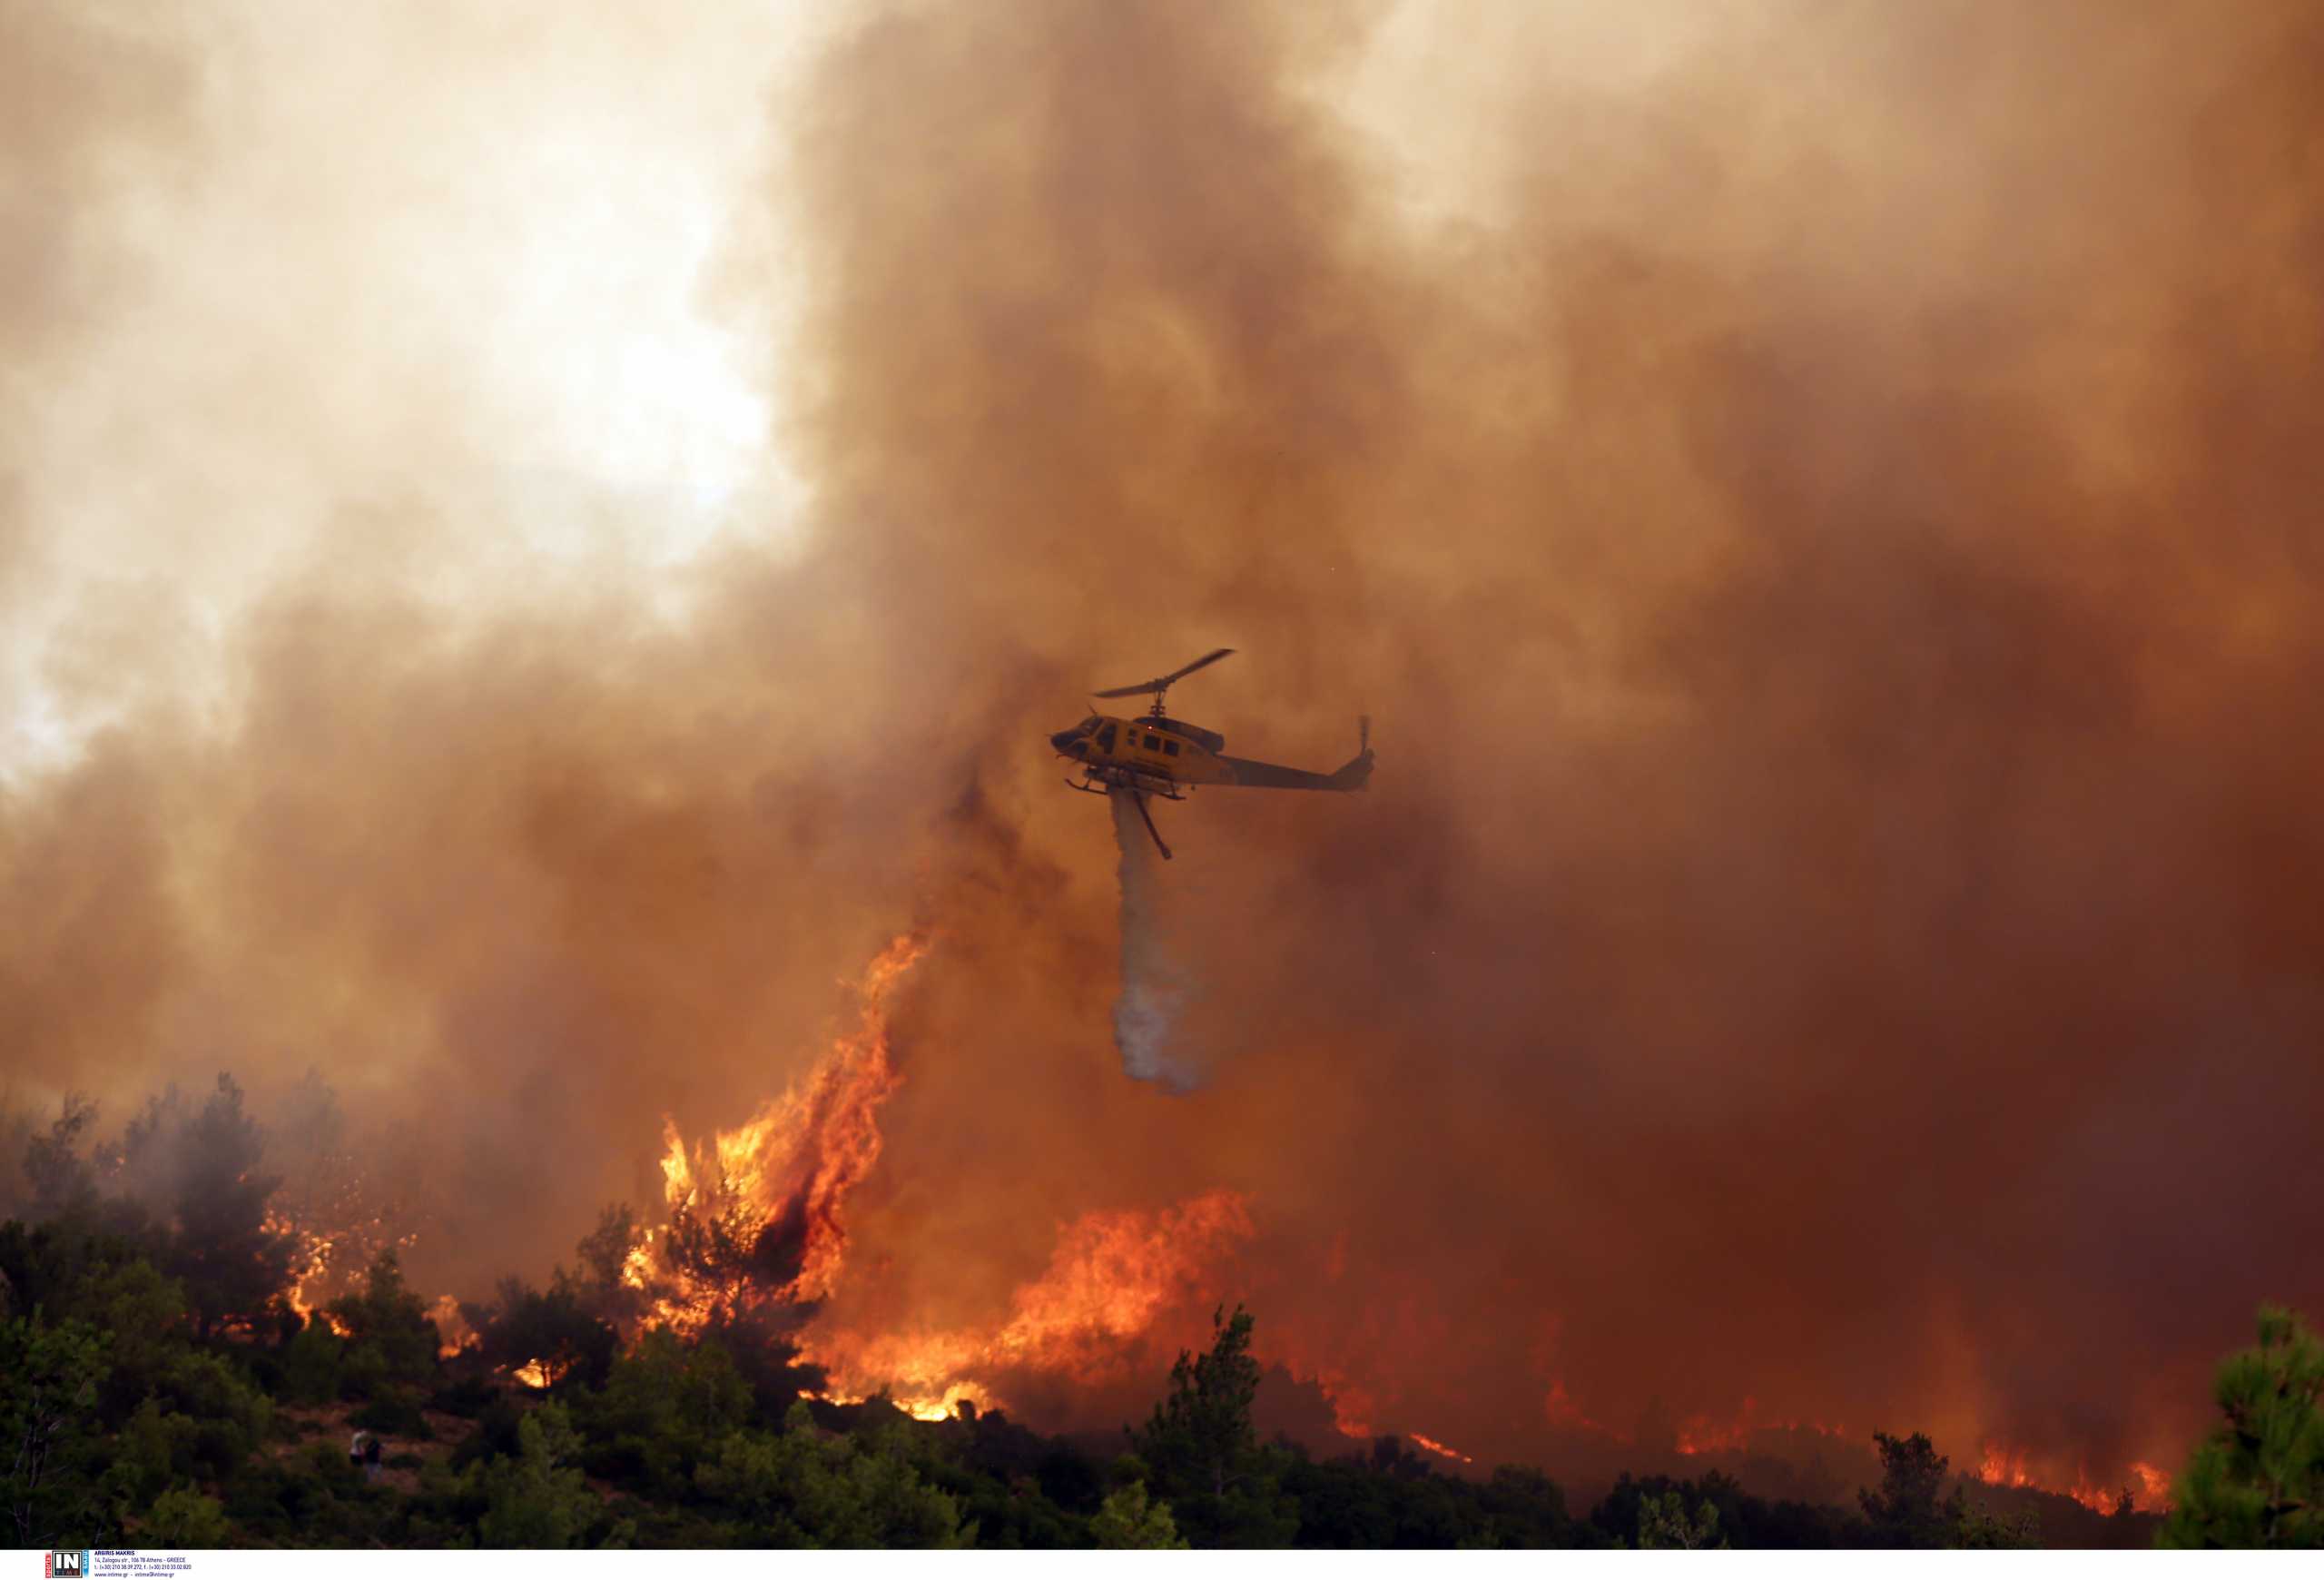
[756, 1215]
[545, 1338]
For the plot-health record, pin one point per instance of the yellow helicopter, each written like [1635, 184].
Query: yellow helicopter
[1160, 755]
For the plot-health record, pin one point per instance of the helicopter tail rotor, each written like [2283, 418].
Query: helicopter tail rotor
[1356, 772]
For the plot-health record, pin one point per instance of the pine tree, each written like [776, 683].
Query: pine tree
[1204, 1449]
[1907, 1511]
[1201, 1433]
[2259, 1480]
[60, 1178]
[391, 1345]
[232, 1262]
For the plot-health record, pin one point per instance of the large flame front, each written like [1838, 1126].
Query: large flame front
[757, 1222]
[1111, 1275]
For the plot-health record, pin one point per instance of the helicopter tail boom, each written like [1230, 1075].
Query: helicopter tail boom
[1351, 775]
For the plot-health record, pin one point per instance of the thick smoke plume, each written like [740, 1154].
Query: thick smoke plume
[531, 549]
[1154, 985]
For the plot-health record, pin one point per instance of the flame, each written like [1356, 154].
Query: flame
[2148, 1485]
[2003, 1467]
[310, 1256]
[532, 1374]
[940, 1406]
[787, 1173]
[1356, 1407]
[1111, 1275]
[1559, 1408]
[2154, 1482]
[1433, 1447]
[1701, 1434]
[453, 1333]
[328, 1262]
[784, 1174]
[1345, 1360]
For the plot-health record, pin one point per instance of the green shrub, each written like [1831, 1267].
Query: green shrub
[182, 1518]
[312, 1364]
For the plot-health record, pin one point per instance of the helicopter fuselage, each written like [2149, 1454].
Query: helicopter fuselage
[1164, 756]
[1158, 756]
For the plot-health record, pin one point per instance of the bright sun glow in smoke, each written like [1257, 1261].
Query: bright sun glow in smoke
[460, 326]
[637, 388]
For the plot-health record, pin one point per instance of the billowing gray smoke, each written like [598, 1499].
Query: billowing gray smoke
[1155, 987]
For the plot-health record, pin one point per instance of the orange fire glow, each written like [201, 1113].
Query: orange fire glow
[1111, 1275]
[2151, 1484]
[1356, 1407]
[1111, 1278]
[331, 1245]
[792, 1167]
[310, 1255]
[1703, 1434]
[794, 1164]
[1560, 1408]
[2004, 1467]
[1433, 1447]
[453, 1333]
[2148, 1485]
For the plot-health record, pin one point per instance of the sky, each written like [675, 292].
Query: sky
[534, 541]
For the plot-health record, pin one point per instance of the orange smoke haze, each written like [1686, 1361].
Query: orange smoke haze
[532, 550]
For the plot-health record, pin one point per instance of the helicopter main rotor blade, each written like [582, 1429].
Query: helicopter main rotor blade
[1162, 681]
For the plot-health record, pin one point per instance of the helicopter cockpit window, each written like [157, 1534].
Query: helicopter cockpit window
[1086, 725]
[1105, 739]
[1171, 747]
